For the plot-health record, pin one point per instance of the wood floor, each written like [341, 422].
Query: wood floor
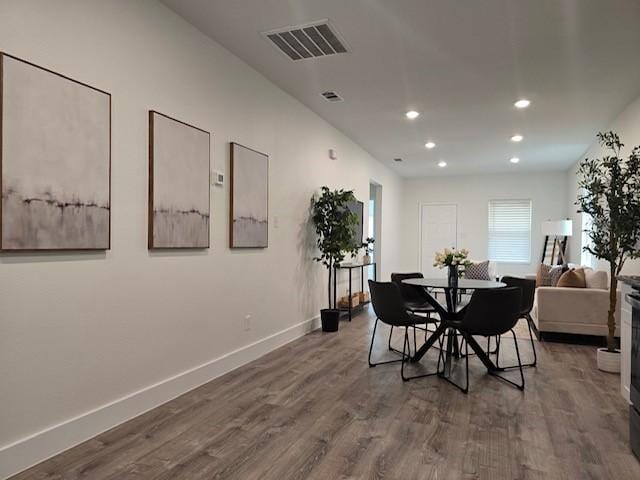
[314, 410]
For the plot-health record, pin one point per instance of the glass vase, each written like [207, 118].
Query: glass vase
[453, 276]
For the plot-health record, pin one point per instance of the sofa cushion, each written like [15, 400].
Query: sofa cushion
[547, 275]
[478, 271]
[596, 279]
[573, 279]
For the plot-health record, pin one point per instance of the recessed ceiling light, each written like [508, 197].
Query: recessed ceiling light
[517, 138]
[514, 160]
[522, 103]
[411, 114]
[430, 145]
[442, 164]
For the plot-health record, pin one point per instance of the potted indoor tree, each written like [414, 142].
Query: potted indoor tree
[333, 221]
[609, 192]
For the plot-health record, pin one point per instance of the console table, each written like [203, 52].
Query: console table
[351, 267]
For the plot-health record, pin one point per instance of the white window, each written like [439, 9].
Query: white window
[510, 231]
[586, 258]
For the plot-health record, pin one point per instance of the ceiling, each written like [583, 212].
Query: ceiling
[460, 63]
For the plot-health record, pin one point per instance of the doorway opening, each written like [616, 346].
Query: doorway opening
[375, 222]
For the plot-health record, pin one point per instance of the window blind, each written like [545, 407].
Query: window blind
[510, 231]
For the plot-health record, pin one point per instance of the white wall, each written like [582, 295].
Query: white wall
[627, 126]
[472, 195]
[78, 331]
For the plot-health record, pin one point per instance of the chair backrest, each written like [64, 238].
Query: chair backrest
[410, 293]
[492, 312]
[528, 288]
[388, 303]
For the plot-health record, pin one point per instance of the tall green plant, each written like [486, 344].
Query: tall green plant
[610, 195]
[333, 221]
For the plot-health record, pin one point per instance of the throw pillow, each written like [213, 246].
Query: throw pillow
[542, 276]
[597, 279]
[548, 276]
[573, 279]
[477, 271]
[556, 273]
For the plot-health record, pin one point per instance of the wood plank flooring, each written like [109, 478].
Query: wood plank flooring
[314, 410]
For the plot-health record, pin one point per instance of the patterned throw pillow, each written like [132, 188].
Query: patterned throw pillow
[555, 273]
[477, 271]
[548, 276]
[542, 276]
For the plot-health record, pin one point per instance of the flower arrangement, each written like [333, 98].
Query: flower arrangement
[452, 258]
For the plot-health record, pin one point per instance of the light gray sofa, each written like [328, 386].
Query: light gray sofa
[573, 310]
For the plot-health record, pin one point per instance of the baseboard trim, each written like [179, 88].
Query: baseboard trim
[573, 338]
[29, 451]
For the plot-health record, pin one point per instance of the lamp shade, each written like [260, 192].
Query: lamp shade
[557, 228]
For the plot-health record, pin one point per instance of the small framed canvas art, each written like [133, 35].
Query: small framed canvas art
[249, 211]
[179, 196]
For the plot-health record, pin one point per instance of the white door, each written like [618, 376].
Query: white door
[438, 230]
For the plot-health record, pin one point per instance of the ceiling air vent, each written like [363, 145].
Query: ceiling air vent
[311, 40]
[332, 96]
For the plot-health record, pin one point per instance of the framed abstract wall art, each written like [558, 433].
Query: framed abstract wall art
[55, 161]
[179, 195]
[249, 209]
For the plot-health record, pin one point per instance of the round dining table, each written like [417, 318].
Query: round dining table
[451, 312]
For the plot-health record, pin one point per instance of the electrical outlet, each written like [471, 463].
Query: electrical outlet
[247, 323]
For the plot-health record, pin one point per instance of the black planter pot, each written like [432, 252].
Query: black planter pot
[330, 318]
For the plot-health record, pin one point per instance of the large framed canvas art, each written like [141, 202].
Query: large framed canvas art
[55, 160]
[179, 196]
[249, 225]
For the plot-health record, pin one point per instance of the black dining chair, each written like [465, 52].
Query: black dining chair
[528, 288]
[415, 301]
[415, 298]
[490, 313]
[389, 307]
